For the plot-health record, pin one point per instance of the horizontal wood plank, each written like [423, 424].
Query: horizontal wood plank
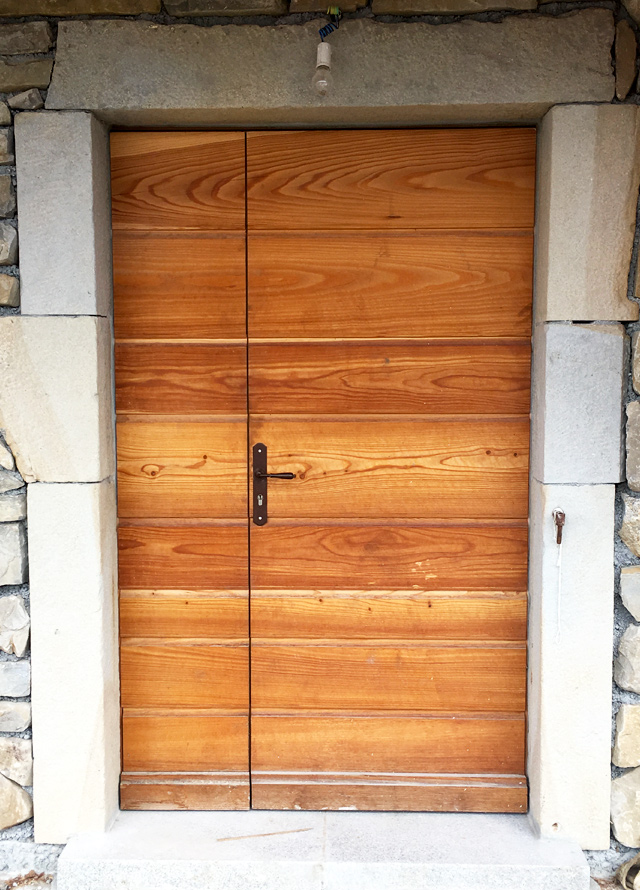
[187, 558]
[189, 676]
[388, 744]
[448, 286]
[208, 791]
[179, 287]
[393, 468]
[189, 613]
[377, 615]
[162, 378]
[407, 378]
[184, 743]
[392, 179]
[178, 181]
[182, 470]
[359, 679]
[382, 557]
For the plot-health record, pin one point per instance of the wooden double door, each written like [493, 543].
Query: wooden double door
[358, 302]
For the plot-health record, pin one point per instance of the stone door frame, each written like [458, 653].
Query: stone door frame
[58, 409]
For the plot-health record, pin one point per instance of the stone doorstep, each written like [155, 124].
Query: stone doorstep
[267, 850]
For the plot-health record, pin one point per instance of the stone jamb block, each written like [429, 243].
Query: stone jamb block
[578, 377]
[75, 697]
[569, 690]
[58, 370]
[65, 212]
[588, 180]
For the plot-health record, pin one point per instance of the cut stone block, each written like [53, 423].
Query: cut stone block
[15, 716]
[75, 699]
[448, 72]
[9, 291]
[30, 100]
[635, 361]
[626, 669]
[15, 76]
[630, 590]
[15, 803]
[633, 445]
[65, 212]
[8, 245]
[318, 6]
[6, 146]
[577, 403]
[625, 55]
[630, 529]
[57, 370]
[5, 115]
[587, 193]
[78, 7]
[25, 37]
[445, 7]
[13, 506]
[625, 808]
[226, 7]
[7, 196]
[14, 629]
[569, 689]
[16, 760]
[15, 679]
[626, 751]
[13, 554]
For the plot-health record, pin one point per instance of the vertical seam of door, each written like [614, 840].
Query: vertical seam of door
[249, 468]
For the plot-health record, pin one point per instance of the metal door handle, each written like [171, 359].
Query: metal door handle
[260, 477]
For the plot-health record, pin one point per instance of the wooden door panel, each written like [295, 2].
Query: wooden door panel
[188, 742]
[183, 557]
[185, 791]
[164, 614]
[379, 615]
[184, 675]
[178, 181]
[185, 378]
[388, 180]
[405, 378]
[177, 286]
[392, 468]
[380, 286]
[182, 469]
[364, 679]
[384, 557]
[389, 744]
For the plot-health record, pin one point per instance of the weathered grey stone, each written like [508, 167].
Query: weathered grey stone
[25, 37]
[7, 196]
[625, 808]
[15, 679]
[77, 7]
[626, 669]
[183, 74]
[30, 100]
[5, 115]
[15, 76]
[16, 760]
[63, 183]
[630, 530]
[14, 628]
[625, 55]
[226, 7]
[9, 290]
[319, 6]
[633, 8]
[633, 445]
[6, 147]
[13, 554]
[630, 590]
[8, 244]
[588, 181]
[445, 7]
[626, 750]
[16, 805]
[15, 716]
[10, 481]
[13, 506]
[6, 458]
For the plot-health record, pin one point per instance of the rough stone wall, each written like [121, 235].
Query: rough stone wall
[28, 30]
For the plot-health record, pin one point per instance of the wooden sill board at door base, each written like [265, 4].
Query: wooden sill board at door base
[184, 791]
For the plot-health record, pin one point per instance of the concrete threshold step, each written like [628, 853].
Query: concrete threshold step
[320, 851]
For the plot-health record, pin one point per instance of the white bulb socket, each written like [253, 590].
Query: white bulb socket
[323, 58]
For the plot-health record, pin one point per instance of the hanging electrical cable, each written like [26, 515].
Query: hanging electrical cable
[322, 80]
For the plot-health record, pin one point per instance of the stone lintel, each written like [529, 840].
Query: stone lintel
[384, 73]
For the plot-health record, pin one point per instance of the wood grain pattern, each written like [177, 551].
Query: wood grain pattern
[468, 794]
[461, 285]
[162, 378]
[379, 615]
[178, 286]
[384, 557]
[175, 675]
[210, 558]
[393, 179]
[207, 791]
[184, 613]
[360, 679]
[393, 468]
[406, 378]
[193, 743]
[182, 470]
[178, 181]
[388, 744]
